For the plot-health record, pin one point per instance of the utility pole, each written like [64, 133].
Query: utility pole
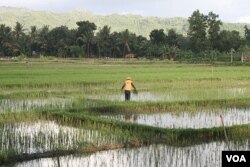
[231, 51]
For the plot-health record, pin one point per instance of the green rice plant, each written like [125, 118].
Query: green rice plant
[153, 134]
[109, 107]
[5, 155]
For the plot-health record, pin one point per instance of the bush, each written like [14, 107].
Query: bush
[76, 51]
[21, 57]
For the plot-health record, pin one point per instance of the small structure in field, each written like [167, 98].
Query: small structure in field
[35, 54]
[245, 58]
[129, 56]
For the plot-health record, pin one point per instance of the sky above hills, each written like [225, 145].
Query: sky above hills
[228, 10]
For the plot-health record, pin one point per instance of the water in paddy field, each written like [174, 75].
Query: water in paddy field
[41, 136]
[197, 119]
[208, 154]
[143, 96]
[9, 105]
[177, 95]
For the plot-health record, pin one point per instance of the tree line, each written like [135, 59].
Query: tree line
[205, 41]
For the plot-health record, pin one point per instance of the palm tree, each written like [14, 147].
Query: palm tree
[43, 38]
[85, 34]
[103, 41]
[18, 30]
[84, 40]
[6, 41]
[125, 37]
[33, 32]
[33, 39]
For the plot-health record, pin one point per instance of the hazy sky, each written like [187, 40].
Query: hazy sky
[228, 10]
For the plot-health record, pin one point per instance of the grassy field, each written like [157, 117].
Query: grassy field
[167, 82]
[85, 89]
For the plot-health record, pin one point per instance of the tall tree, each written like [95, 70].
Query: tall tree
[142, 44]
[20, 39]
[213, 29]
[6, 42]
[59, 39]
[247, 34]
[116, 44]
[125, 40]
[85, 34]
[197, 31]
[33, 35]
[18, 30]
[43, 39]
[103, 40]
[157, 37]
[229, 40]
[172, 38]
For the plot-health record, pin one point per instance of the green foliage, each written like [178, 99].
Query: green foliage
[76, 51]
[6, 155]
[247, 34]
[213, 29]
[21, 57]
[229, 40]
[197, 31]
[204, 37]
[157, 37]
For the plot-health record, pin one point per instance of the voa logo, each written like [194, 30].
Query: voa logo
[236, 158]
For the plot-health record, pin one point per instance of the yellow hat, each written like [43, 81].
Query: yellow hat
[128, 78]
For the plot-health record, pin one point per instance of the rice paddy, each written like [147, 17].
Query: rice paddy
[154, 155]
[198, 119]
[72, 112]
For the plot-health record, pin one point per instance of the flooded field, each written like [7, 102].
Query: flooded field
[208, 154]
[64, 106]
[199, 119]
[41, 136]
[11, 105]
[178, 95]
[144, 96]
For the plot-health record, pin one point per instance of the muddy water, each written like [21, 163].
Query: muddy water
[9, 105]
[199, 119]
[47, 135]
[208, 155]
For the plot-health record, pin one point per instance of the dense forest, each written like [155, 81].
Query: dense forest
[204, 41]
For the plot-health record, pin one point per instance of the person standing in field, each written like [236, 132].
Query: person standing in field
[127, 87]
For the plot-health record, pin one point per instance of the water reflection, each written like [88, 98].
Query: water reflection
[10, 105]
[40, 136]
[144, 96]
[180, 95]
[208, 155]
[199, 119]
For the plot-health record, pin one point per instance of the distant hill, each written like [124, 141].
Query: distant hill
[141, 25]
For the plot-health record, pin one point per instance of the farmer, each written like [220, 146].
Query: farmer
[127, 87]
